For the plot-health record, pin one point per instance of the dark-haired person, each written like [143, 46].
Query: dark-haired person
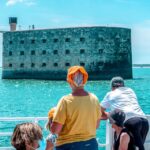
[26, 136]
[77, 115]
[124, 98]
[123, 138]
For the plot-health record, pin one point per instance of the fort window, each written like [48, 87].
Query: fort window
[67, 51]
[32, 41]
[10, 53]
[100, 63]
[22, 65]
[32, 52]
[101, 39]
[55, 52]
[10, 65]
[82, 51]
[32, 65]
[82, 39]
[44, 52]
[43, 64]
[55, 64]
[101, 51]
[128, 40]
[67, 64]
[67, 40]
[21, 52]
[55, 40]
[10, 42]
[44, 40]
[22, 42]
[82, 64]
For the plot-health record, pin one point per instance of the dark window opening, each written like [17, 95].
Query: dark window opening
[100, 63]
[22, 65]
[82, 51]
[32, 41]
[10, 53]
[22, 42]
[67, 40]
[101, 39]
[55, 64]
[43, 64]
[67, 64]
[44, 40]
[21, 52]
[82, 64]
[128, 40]
[55, 52]
[100, 51]
[55, 40]
[10, 65]
[44, 52]
[32, 52]
[67, 51]
[82, 39]
[10, 42]
[32, 65]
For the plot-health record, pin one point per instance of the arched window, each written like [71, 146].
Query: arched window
[43, 64]
[82, 51]
[10, 53]
[67, 64]
[55, 64]
[67, 51]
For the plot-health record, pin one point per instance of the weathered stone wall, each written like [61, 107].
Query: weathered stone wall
[46, 54]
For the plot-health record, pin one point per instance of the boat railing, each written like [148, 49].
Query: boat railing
[109, 131]
[29, 119]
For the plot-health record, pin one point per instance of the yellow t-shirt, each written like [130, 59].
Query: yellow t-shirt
[78, 115]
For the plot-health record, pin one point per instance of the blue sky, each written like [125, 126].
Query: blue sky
[134, 14]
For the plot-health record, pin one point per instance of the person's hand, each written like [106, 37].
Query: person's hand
[49, 145]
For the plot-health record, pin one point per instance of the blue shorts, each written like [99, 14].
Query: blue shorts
[82, 145]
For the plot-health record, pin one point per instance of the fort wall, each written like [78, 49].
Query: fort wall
[47, 54]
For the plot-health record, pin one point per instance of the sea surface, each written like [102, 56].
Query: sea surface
[32, 98]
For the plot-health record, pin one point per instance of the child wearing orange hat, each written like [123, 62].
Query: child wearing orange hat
[51, 138]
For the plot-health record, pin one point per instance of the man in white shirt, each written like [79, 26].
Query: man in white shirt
[124, 98]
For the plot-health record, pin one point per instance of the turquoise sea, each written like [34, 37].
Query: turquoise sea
[32, 98]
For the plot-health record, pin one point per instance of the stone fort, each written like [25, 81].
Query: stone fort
[105, 52]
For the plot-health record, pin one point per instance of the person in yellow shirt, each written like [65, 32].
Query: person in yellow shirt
[77, 115]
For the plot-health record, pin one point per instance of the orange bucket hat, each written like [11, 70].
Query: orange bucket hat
[72, 70]
[51, 112]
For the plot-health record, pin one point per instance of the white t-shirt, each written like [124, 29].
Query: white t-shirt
[123, 98]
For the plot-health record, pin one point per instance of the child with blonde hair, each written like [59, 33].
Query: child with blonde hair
[51, 138]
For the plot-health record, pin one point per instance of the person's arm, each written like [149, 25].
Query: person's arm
[49, 145]
[98, 123]
[56, 128]
[104, 114]
[124, 141]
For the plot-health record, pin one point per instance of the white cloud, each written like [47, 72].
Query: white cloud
[25, 2]
[13, 2]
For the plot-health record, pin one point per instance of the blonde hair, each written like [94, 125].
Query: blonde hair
[50, 118]
[25, 133]
[48, 124]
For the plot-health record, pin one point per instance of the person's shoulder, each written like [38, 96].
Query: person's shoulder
[124, 136]
[93, 95]
[128, 89]
[67, 96]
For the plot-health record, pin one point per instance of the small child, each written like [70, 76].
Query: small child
[51, 138]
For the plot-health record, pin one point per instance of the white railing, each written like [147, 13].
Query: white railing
[109, 131]
[31, 119]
